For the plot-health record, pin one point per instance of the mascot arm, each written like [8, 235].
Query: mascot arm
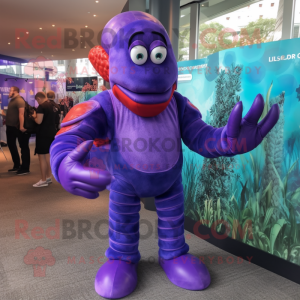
[238, 136]
[195, 133]
[86, 121]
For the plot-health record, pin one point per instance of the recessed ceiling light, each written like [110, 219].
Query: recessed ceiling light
[97, 1]
[73, 49]
[85, 26]
[53, 25]
[84, 46]
[27, 32]
[41, 51]
[95, 16]
[89, 12]
[18, 38]
[52, 55]
[41, 28]
[8, 43]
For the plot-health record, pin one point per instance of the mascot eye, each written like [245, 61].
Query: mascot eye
[158, 55]
[139, 55]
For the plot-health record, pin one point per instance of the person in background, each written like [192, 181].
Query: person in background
[45, 117]
[64, 106]
[15, 130]
[56, 108]
[71, 103]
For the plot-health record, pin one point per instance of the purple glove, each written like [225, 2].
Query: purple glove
[242, 135]
[78, 179]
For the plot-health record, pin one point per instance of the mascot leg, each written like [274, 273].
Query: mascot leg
[117, 278]
[181, 268]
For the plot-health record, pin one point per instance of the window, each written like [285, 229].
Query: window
[184, 34]
[242, 22]
[296, 32]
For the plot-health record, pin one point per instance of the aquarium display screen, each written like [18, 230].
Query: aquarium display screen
[255, 197]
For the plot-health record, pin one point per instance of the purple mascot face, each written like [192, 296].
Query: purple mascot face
[141, 59]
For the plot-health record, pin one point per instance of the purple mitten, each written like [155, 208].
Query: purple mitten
[242, 135]
[78, 179]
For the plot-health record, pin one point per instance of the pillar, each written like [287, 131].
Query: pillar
[168, 13]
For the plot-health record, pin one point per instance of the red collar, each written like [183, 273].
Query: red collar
[142, 110]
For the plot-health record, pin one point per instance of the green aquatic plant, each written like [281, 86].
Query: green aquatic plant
[217, 173]
[274, 156]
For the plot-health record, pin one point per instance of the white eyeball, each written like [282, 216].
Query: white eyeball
[158, 55]
[139, 55]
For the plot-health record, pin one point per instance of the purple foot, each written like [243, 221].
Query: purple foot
[186, 272]
[116, 279]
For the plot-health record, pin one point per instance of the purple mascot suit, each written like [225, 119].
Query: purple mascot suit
[143, 120]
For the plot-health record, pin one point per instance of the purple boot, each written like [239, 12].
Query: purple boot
[186, 272]
[116, 279]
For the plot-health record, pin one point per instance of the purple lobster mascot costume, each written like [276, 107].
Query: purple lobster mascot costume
[142, 121]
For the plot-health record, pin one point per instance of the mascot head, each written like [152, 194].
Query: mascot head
[137, 58]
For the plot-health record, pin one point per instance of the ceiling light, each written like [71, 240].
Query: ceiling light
[8, 43]
[41, 28]
[182, 16]
[18, 38]
[52, 55]
[30, 82]
[27, 32]
[41, 51]
[97, 1]
[95, 16]
[86, 26]
[53, 25]
[73, 49]
[84, 47]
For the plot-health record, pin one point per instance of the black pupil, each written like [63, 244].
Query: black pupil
[140, 56]
[158, 56]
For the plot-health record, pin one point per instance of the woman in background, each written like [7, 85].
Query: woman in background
[45, 116]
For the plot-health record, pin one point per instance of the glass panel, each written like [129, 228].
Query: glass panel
[11, 68]
[38, 70]
[3, 64]
[223, 25]
[184, 34]
[297, 20]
